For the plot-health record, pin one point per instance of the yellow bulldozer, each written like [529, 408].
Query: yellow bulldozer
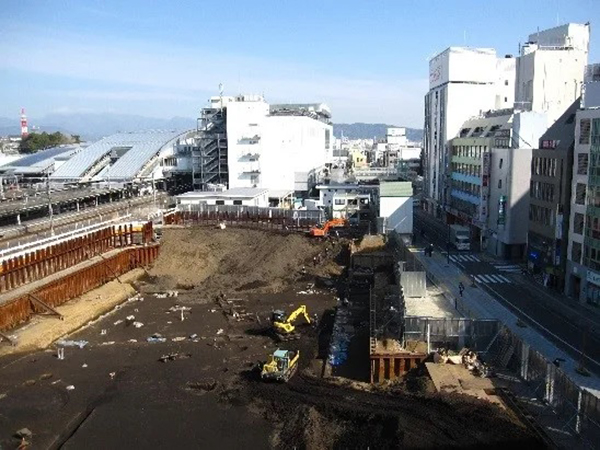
[281, 366]
[283, 326]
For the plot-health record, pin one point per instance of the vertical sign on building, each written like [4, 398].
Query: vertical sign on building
[485, 187]
[502, 210]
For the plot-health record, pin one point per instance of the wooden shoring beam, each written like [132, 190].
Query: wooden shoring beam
[44, 305]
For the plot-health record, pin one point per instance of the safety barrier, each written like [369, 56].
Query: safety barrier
[253, 216]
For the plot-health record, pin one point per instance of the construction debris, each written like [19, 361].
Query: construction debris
[138, 324]
[67, 343]
[156, 337]
[70, 387]
[174, 356]
[24, 433]
[206, 385]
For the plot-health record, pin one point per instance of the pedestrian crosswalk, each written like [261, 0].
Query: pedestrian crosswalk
[509, 268]
[491, 278]
[464, 258]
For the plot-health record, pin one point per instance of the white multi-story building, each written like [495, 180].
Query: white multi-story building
[583, 252]
[550, 69]
[463, 82]
[246, 142]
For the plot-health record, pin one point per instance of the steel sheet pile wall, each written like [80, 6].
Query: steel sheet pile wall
[37, 264]
[253, 216]
[578, 408]
[75, 284]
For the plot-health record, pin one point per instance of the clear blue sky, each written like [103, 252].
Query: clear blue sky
[366, 59]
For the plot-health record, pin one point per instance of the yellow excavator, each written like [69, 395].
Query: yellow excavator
[284, 327]
[281, 366]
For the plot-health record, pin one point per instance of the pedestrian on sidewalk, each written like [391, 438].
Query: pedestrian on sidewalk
[461, 288]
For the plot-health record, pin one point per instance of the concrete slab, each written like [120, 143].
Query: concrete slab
[456, 378]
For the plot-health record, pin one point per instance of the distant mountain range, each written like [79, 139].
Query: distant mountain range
[371, 130]
[92, 126]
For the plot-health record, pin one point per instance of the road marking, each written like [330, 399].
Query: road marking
[464, 258]
[489, 278]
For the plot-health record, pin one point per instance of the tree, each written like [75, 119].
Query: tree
[35, 142]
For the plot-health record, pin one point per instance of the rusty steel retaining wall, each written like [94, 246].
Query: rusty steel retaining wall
[394, 366]
[36, 264]
[75, 284]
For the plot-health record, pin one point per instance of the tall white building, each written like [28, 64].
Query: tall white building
[463, 82]
[246, 142]
[550, 69]
[583, 253]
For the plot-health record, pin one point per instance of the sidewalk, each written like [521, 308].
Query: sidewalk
[584, 309]
[478, 303]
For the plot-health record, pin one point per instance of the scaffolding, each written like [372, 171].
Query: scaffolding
[209, 154]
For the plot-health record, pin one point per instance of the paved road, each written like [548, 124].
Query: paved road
[567, 326]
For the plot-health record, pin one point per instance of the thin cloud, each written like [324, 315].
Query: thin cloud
[153, 72]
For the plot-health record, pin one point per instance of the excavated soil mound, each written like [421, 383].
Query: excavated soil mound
[231, 259]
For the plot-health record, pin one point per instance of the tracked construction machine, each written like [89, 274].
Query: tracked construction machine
[322, 231]
[284, 328]
[281, 366]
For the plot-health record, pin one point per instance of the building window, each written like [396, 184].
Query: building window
[576, 252]
[219, 202]
[505, 99]
[237, 202]
[340, 201]
[499, 184]
[582, 164]
[505, 84]
[500, 164]
[584, 131]
[578, 223]
[580, 194]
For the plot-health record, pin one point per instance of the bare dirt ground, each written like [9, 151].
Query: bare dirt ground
[207, 394]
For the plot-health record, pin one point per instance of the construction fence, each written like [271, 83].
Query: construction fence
[251, 216]
[453, 333]
[577, 408]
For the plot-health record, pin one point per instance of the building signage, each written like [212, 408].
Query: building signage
[502, 210]
[593, 277]
[486, 163]
[485, 187]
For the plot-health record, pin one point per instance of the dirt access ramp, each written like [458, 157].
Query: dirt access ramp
[232, 259]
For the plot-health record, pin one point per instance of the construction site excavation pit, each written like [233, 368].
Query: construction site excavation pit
[175, 367]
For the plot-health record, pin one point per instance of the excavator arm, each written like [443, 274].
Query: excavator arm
[324, 230]
[300, 311]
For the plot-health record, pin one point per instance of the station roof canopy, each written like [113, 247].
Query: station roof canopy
[40, 161]
[132, 151]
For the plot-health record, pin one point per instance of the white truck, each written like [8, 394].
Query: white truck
[460, 237]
